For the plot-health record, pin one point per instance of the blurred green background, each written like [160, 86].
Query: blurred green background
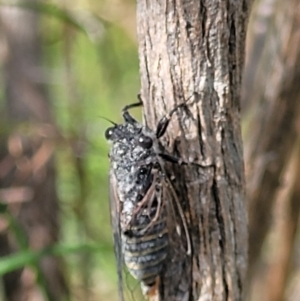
[94, 68]
[90, 66]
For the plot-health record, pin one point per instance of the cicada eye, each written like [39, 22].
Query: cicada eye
[143, 171]
[109, 133]
[145, 141]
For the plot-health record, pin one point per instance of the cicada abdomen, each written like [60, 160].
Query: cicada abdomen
[139, 197]
[145, 244]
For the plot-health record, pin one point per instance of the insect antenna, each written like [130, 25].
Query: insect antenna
[102, 117]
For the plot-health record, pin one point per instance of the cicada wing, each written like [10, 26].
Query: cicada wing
[115, 206]
[177, 266]
[170, 194]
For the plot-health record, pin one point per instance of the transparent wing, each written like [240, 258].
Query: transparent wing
[170, 194]
[115, 205]
[174, 277]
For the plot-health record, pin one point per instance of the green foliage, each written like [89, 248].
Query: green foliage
[102, 77]
[49, 9]
[29, 257]
[98, 79]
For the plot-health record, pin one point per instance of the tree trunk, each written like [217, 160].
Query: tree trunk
[27, 160]
[195, 49]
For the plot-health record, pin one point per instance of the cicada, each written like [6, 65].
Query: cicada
[139, 192]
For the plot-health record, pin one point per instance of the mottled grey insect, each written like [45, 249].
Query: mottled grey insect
[139, 190]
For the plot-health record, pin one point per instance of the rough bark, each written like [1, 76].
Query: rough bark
[272, 131]
[195, 49]
[27, 159]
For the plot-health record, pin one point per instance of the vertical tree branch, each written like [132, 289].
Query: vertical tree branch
[273, 128]
[196, 49]
[281, 267]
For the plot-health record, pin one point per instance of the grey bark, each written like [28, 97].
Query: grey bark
[196, 49]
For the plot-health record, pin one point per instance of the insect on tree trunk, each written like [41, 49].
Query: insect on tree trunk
[194, 51]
